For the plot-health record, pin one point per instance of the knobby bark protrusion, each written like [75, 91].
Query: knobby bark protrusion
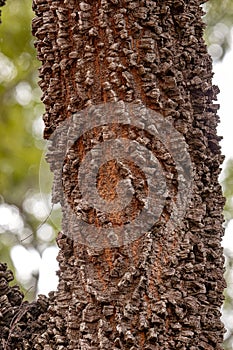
[163, 290]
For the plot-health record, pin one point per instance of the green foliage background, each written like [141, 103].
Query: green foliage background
[21, 144]
[219, 19]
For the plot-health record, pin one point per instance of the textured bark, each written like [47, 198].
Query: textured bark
[165, 289]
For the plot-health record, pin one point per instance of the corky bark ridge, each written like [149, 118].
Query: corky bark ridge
[164, 290]
[161, 292]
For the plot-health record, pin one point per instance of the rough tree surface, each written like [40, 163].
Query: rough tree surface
[165, 289]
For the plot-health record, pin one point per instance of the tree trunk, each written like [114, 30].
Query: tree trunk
[146, 270]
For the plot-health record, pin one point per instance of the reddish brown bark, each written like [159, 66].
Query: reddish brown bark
[165, 289]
